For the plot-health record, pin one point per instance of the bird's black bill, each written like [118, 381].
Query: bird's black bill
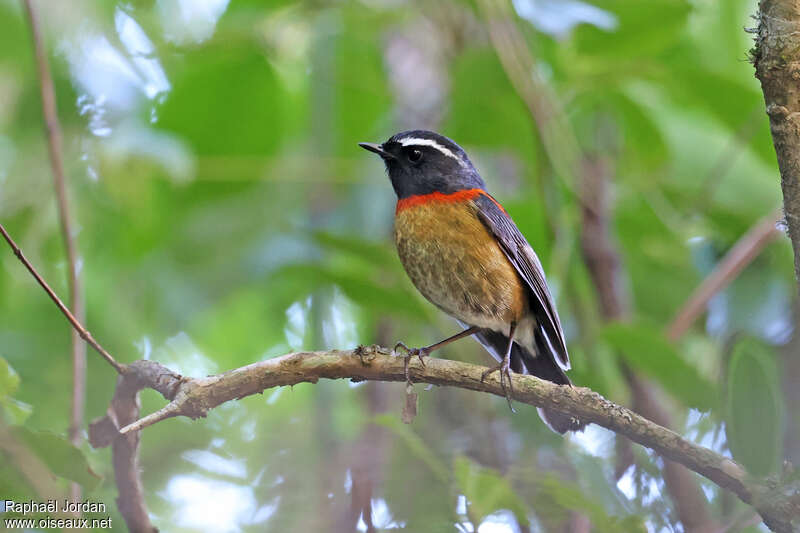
[376, 148]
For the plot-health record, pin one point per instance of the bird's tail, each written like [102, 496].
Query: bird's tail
[540, 364]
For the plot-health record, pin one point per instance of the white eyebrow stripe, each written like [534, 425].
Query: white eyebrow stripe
[415, 141]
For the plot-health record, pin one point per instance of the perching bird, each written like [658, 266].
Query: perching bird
[466, 256]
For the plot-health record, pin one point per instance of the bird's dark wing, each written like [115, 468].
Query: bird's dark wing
[527, 264]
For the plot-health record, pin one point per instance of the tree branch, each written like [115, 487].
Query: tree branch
[194, 397]
[123, 410]
[776, 56]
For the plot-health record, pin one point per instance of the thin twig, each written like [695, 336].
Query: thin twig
[742, 254]
[170, 410]
[82, 331]
[75, 300]
[604, 264]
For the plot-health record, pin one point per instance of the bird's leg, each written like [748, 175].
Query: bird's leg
[505, 369]
[426, 351]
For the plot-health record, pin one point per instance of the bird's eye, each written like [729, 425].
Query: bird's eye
[415, 155]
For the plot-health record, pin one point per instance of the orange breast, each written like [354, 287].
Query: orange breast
[455, 262]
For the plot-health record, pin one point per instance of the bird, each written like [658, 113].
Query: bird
[466, 256]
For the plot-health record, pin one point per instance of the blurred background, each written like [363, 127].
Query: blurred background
[224, 214]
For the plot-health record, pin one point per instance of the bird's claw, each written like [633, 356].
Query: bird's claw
[420, 353]
[505, 376]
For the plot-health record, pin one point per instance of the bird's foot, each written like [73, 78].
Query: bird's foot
[505, 376]
[420, 353]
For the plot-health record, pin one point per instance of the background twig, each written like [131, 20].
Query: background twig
[82, 331]
[742, 254]
[604, 265]
[75, 300]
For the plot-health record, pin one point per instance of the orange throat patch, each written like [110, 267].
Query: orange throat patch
[440, 198]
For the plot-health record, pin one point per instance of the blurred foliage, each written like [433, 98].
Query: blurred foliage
[754, 402]
[645, 348]
[486, 492]
[58, 455]
[14, 411]
[225, 215]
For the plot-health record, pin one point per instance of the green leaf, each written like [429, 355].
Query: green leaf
[500, 123]
[9, 379]
[415, 444]
[14, 485]
[487, 491]
[356, 286]
[569, 497]
[754, 407]
[641, 32]
[371, 251]
[632, 130]
[696, 87]
[351, 76]
[227, 102]
[15, 412]
[646, 349]
[60, 456]
[642, 136]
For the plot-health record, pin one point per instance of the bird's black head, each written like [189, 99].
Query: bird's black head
[423, 162]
